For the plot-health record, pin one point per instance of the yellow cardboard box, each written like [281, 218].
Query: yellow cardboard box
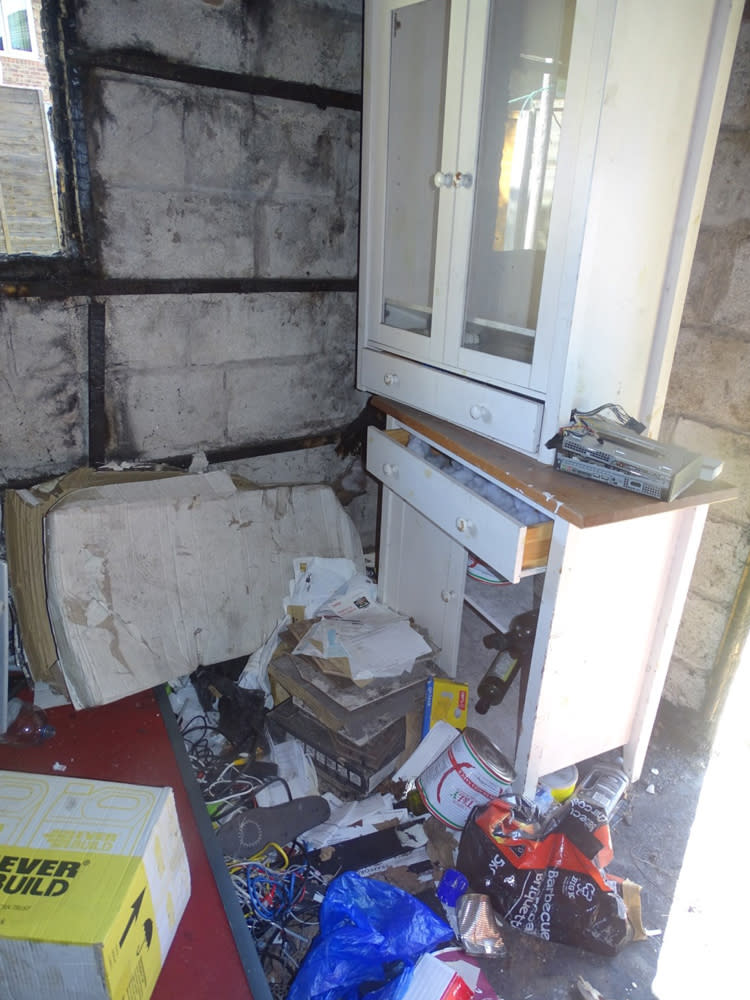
[94, 879]
[445, 701]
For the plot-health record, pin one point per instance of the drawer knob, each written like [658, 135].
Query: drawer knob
[390, 469]
[477, 412]
[464, 524]
[448, 595]
[441, 179]
[390, 378]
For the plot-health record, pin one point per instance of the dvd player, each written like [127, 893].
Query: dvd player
[604, 451]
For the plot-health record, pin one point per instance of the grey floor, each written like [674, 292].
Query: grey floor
[649, 834]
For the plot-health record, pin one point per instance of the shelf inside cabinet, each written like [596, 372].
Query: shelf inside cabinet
[498, 605]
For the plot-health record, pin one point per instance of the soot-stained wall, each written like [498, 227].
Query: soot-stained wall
[223, 153]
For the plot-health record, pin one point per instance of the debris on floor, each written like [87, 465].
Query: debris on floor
[340, 785]
[372, 836]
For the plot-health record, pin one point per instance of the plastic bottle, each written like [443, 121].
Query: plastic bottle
[515, 647]
[27, 724]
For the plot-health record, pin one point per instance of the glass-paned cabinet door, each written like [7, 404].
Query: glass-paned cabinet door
[522, 117]
[416, 83]
[419, 34]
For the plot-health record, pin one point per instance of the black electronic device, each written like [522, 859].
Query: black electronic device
[248, 831]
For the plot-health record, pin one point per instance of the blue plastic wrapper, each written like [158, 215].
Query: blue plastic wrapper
[370, 934]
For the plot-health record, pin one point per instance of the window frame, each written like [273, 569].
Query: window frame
[12, 53]
[67, 82]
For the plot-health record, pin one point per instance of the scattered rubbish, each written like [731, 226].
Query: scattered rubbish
[470, 772]
[27, 724]
[349, 634]
[57, 766]
[479, 928]
[547, 880]
[651, 789]
[381, 644]
[366, 927]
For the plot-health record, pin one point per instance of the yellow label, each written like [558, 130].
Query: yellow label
[63, 896]
[450, 703]
[132, 950]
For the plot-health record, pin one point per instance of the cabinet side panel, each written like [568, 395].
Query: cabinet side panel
[609, 646]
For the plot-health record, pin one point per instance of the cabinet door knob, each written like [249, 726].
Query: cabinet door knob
[477, 412]
[441, 180]
[390, 469]
[448, 595]
[462, 180]
[390, 378]
[464, 524]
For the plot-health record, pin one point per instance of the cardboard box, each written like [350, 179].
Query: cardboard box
[445, 701]
[350, 769]
[145, 581]
[94, 880]
[25, 511]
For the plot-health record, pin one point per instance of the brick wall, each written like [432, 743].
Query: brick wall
[27, 71]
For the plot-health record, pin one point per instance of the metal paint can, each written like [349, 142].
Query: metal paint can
[468, 773]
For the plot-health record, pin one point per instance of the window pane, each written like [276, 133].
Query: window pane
[521, 122]
[18, 29]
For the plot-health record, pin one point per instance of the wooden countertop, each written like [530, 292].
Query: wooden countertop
[581, 502]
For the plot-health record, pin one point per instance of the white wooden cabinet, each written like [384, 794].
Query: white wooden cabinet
[533, 177]
[614, 569]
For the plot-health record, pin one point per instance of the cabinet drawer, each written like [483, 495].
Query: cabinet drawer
[494, 535]
[503, 416]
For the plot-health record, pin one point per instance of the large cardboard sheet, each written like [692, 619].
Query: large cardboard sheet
[148, 580]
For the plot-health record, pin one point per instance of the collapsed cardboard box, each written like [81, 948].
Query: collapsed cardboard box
[147, 580]
[24, 514]
[94, 880]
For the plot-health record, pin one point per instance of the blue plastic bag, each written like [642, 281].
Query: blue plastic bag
[369, 932]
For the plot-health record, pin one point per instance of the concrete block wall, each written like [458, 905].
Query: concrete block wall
[192, 182]
[708, 403]
[43, 387]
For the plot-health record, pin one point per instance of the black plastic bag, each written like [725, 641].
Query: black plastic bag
[549, 883]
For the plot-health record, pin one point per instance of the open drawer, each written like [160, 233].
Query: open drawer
[495, 535]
